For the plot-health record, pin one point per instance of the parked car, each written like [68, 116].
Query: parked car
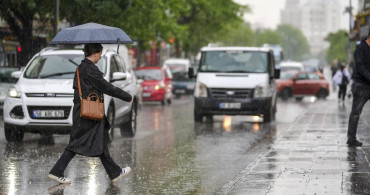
[291, 66]
[41, 100]
[300, 84]
[156, 85]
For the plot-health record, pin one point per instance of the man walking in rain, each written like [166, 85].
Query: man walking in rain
[360, 89]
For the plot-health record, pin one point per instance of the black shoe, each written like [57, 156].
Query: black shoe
[354, 143]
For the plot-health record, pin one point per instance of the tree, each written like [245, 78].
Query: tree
[237, 35]
[205, 21]
[338, 46]
[20, 16]
[267, 36]
[293, 42]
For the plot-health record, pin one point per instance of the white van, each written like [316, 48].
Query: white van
[291, 66]
[177, 64]
[235, 81]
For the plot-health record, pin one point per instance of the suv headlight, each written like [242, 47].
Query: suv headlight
[14, 93]
[260, 91]
[203, 90]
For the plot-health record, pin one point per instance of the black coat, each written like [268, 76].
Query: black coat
[361, 73]
[89, 137]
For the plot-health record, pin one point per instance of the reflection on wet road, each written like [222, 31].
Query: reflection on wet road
[170, 154]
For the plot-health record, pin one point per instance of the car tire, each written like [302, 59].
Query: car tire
[298, 99]
[197, 116]
[269, 115]
[285, 94]
[111, 117]
[13, 133]
[322, 94]
[129, 128]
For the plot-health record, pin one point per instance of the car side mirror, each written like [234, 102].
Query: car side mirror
[191, 72]
[277, 73]
[119, 76]
[16, 74]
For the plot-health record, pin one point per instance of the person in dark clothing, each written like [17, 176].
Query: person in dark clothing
[89, 137]
[360, 88]
[342, 78]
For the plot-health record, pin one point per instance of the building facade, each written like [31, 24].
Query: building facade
[315, 18]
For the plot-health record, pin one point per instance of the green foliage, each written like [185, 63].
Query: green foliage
[267, 36]
[338, 46]
[240, 34]
[293, 42]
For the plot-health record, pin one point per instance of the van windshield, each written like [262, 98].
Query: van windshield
[234, 61]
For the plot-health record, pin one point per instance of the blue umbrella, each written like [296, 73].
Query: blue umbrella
[91, 33]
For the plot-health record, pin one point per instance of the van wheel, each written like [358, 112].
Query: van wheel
[129, 128]
[269, 115]
[110, 117]
[197, 116]
[13, 133]
[285, 94]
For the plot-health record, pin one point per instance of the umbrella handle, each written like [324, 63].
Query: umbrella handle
[118, 46]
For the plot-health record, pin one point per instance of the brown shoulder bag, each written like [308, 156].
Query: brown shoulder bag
[90, 109]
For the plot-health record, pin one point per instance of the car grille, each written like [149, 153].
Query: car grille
[67, 110]
[224, 93]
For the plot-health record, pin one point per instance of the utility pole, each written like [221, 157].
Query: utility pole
[349, 45]
[56, 18]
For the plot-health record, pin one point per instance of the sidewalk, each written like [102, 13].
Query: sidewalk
[311, 157]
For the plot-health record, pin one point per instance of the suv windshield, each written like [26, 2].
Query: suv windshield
[147, 74]
[234, 61]
[61, 66]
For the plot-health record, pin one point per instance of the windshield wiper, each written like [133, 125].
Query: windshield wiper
[55, 74]
[73, 62]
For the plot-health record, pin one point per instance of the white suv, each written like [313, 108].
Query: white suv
[41, 100]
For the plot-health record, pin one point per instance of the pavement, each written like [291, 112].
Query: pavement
[311, 156]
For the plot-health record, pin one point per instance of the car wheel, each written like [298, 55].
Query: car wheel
[197, 116]
[298, 99]
[209, 118]
[322, 94]
[129, 128]
[110, 117]
[13, 133]
[285, 94]
[269, 115]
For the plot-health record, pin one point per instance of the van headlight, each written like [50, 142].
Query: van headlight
[261, 91]
[203, 90]
[14, 93]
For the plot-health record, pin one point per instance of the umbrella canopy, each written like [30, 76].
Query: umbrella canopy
[91, 33]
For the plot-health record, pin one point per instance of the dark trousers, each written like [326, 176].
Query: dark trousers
[361, 94]
[342, 92]
[112, 169]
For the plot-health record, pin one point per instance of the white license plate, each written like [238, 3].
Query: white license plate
[147, 94]
[48, 113]
[230, 105]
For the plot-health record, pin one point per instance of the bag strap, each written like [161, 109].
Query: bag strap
[79, 84]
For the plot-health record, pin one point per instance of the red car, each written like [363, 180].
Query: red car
[300, 84]
[156, 85]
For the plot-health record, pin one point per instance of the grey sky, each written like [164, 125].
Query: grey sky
[266, 13]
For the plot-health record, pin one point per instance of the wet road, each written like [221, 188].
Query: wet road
[169, 155]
